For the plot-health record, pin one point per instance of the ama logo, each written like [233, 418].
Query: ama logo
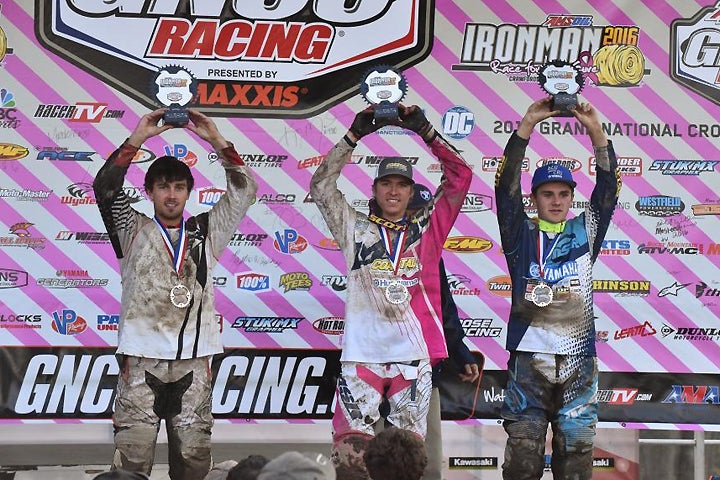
[289, 241]
[68, 322]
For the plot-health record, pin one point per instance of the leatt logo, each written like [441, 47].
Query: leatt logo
[691, 63]
[251, 59]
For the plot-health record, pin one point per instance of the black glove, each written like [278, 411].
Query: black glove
[364, 123]
[414, 119]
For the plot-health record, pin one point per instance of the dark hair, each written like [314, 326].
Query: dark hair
[169, 169]
[248, 468]
[120, 475]
[396, 454]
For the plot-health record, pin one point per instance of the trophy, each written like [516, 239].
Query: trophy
[384, 87]
[563, 81]
[175, 87]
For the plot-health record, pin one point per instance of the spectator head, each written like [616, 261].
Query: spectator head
[396, 454]
[120, 475]
[298, 466]
[248, 468]
[219, 471]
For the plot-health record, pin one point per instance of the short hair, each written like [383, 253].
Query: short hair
[248, 468]
[396, 454]
[170, 169]
[121, 474]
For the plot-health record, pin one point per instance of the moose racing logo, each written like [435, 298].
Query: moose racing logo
[252, 58]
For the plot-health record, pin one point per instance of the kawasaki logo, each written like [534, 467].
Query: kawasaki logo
[251, 59]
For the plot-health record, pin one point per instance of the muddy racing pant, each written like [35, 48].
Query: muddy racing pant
[361, 389]
[177, 391]
[557, 389]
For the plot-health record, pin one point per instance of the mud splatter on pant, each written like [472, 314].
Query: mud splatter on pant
[542, 389]
[177, 391]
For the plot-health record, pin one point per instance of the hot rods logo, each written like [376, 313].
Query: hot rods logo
[251, 58]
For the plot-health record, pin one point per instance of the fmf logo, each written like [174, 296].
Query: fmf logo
[11, 151]
[68, 322]
[693, 62]
[607, 55]
[253, 59]
[465, 244]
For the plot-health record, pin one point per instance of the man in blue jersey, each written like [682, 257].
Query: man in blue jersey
[552, 370]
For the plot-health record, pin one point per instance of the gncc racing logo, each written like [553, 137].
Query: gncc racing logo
[252, 58]
[692, 63]
[606, 55]
[279, 384]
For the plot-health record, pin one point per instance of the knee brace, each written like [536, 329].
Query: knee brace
[525, 450]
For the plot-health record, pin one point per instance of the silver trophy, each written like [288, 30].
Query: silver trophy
[563, 81]
[175, 87]
[384, 87]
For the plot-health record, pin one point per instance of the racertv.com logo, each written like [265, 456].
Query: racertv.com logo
[250, 59]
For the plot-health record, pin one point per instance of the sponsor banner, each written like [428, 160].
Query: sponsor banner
[248, 58]
[291, 383]
[282, 80]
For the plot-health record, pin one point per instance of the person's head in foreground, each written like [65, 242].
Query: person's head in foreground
[393, 187]
[396, 454]
[298, 466]
[120, 474]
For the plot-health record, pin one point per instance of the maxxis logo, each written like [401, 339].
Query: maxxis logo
[692, 63]
[291, 59]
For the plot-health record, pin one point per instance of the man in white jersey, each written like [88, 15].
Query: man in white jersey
[168, 332]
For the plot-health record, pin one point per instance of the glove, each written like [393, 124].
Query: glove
[414, 119]
[364, 123]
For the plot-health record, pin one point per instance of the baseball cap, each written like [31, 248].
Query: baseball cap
[552, 172]
[421, 197]
[395, 166]
[295, 465]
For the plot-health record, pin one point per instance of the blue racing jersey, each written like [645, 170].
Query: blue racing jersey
[566, 325]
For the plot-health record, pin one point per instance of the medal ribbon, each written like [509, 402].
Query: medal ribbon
[176, 252]
[394, 251]
[542, 257]
[387, 223]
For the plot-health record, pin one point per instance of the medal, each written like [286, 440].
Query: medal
[180, 296]
[397, 293]
[541, 294]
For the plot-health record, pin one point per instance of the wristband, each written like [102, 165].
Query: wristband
[349, 142]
